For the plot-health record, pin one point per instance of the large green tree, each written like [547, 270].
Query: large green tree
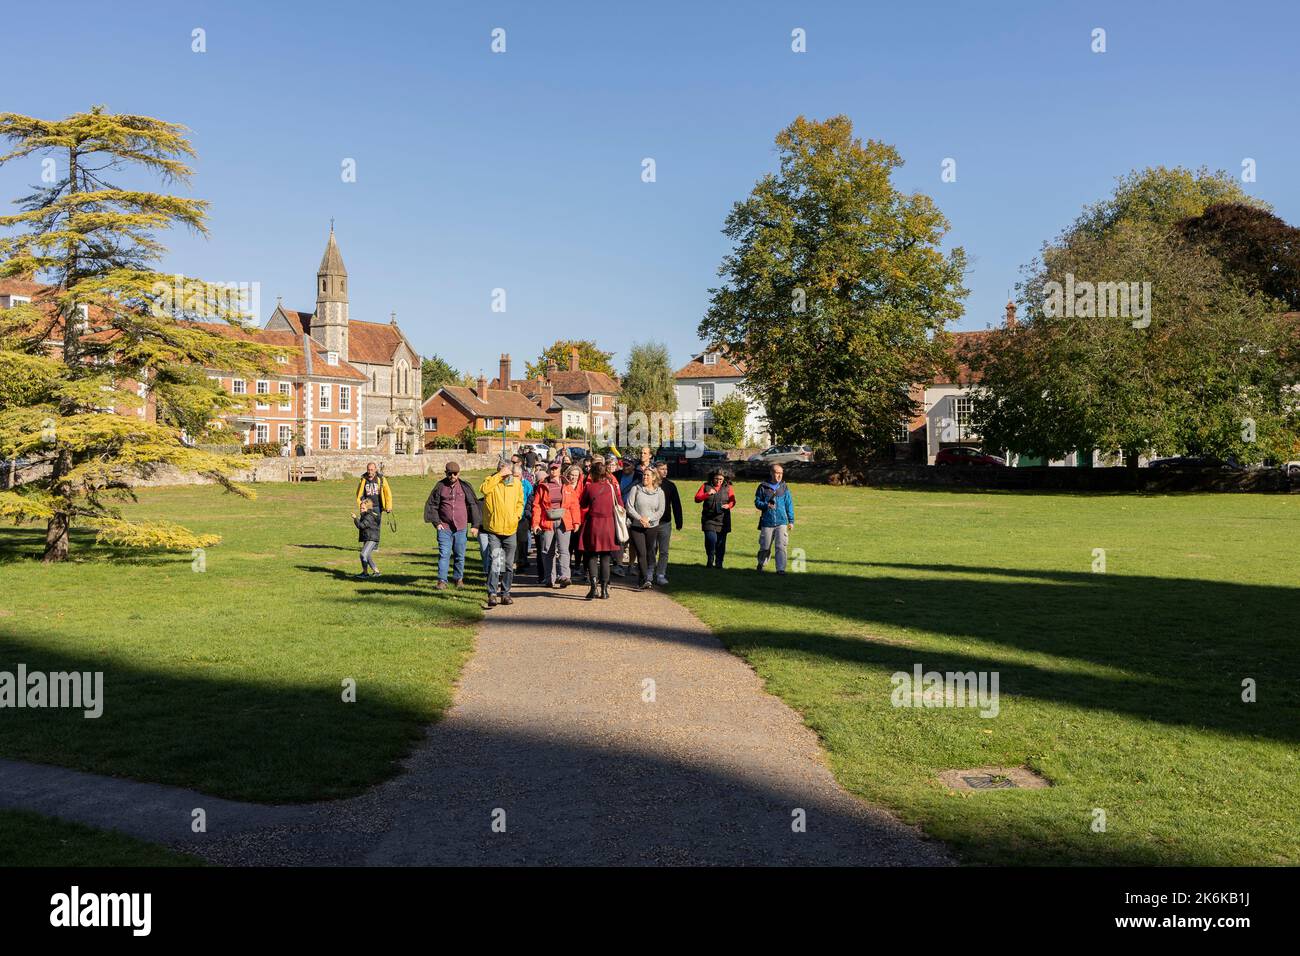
[648, 385]
[1199, 362]
[435, 372]
[590, 358]
[92, 246]
[836, 291]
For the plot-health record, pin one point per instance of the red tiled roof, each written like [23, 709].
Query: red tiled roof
[696, 368]
[372, 342]
[298, 363]
[500, 403]
[583, 382]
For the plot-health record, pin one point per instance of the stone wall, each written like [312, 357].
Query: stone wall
[335, 467]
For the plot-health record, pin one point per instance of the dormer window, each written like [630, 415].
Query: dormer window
[332, 358]
[710, 358]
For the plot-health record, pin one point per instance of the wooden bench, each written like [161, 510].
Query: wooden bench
[305, 471]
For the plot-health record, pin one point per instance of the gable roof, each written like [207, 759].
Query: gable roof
[696, 368]
[583, 382]
[307, 359]
[373, 342]
[500, 403]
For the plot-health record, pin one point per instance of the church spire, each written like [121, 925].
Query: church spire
[331, 264]
[330, 325]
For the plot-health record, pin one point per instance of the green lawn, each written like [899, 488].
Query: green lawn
[1122, 688]
[230, 680]
[27, 839]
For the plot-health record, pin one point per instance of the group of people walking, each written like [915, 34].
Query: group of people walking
[586, 521]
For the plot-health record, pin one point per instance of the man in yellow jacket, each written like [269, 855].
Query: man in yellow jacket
[503, 506]
[375, 487]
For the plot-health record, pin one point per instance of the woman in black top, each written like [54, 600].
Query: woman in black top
[715, 517]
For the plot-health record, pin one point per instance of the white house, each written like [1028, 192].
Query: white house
[706, 379]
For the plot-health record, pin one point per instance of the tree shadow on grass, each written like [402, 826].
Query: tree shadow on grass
[27, 543]
[1177, 650]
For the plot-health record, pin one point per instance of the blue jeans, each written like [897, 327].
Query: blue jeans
[449, 543]
[498, 552]
[715, 547]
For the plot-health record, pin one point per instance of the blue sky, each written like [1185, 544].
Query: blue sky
[522, 170]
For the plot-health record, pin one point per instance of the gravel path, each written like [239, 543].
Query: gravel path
[558, 738]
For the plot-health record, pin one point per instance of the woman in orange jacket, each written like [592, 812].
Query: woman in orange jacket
[556, 515]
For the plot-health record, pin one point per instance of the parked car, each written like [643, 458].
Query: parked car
[543, 452]
[689, 458]
[783, 455]
[965, 455]
[1292, 470]
[1198, 462]
[575, 453]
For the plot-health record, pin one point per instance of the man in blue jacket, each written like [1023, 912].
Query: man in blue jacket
[775, 517]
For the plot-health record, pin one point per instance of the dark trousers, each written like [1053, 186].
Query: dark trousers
[665, 530]
[644, 543]
[523, 535]
[715, 546]
[598, 566]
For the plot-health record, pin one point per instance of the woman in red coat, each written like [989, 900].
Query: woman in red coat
[598, 500]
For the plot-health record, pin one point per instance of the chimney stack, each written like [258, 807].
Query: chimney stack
[551, 369]
[1011, 315]
[504, 380]
[573, 358]
[482, 387]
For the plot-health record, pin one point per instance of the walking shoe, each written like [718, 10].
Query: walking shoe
[661, 579]
[591, 594]
[604, 590]
[492, 600]
[362, 574]
[760, 566]
[459, 582]
[620, 572]
[565, 582]
[507, 599]
[779, 571]
[441, 586]
[645, 585]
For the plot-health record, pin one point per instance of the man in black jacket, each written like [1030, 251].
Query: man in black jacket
[453, 509]
[673, 503]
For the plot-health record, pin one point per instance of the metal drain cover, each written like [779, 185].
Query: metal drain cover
[987, 782]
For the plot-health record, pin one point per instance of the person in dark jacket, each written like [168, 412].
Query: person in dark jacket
[674, 507]
[718, 500]
[453, 509]
[368, 525]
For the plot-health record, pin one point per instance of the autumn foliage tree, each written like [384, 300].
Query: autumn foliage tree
[91, 245]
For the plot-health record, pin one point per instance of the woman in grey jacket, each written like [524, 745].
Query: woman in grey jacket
[645, 507]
